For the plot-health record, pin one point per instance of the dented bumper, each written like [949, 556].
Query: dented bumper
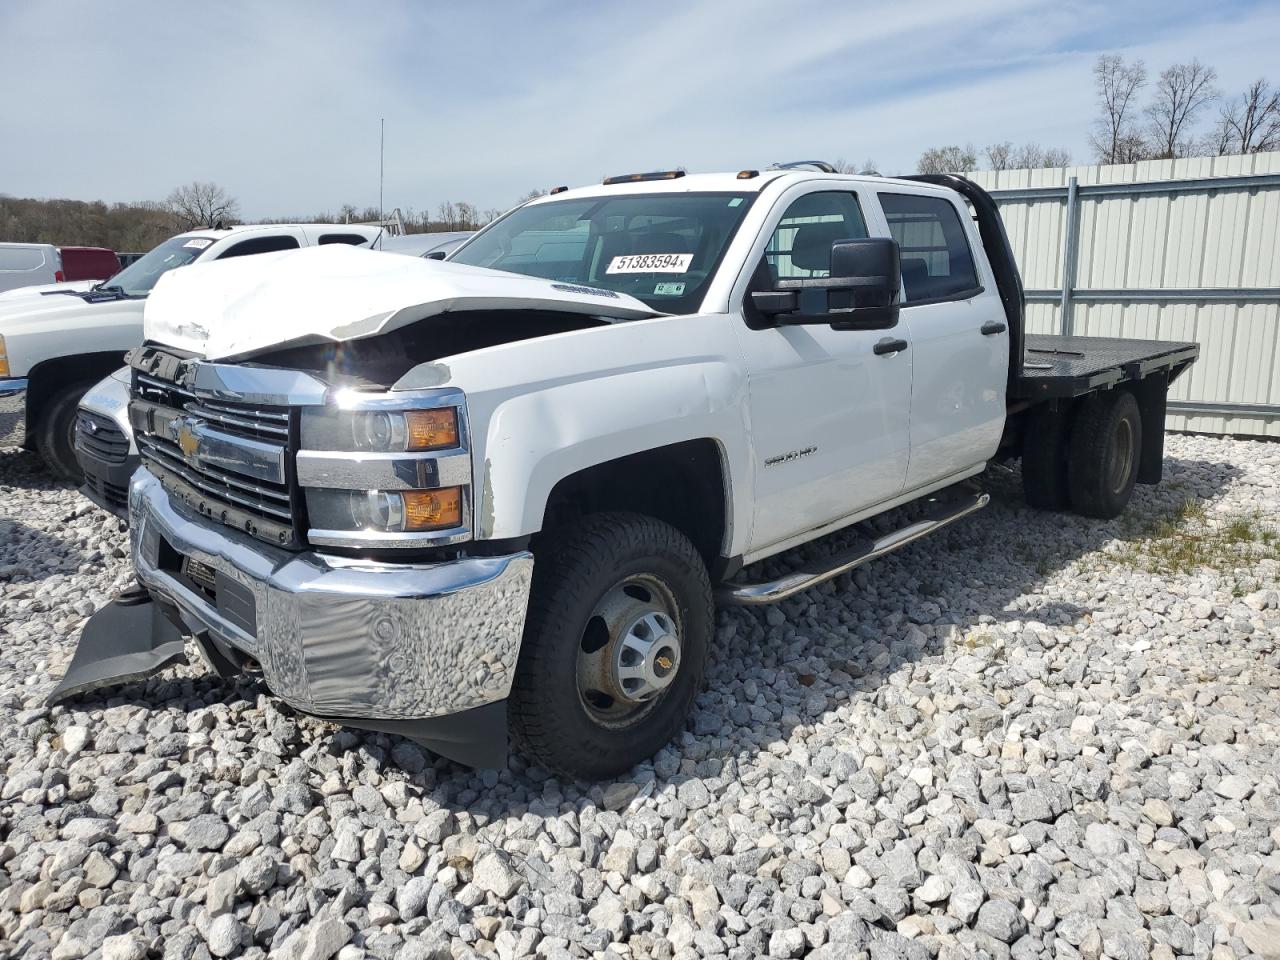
[384, 646]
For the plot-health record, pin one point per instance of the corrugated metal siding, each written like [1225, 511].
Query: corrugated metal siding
[1216, 238]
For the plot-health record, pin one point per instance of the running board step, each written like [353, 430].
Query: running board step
[771, 591]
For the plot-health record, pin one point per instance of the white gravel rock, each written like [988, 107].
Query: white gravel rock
[1015, 739]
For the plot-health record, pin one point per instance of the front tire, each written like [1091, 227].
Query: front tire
[615, 645]
[56, 431]
[1106, 450]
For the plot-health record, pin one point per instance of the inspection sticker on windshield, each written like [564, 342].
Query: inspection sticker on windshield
[651, 263]
[668, 289]
[199, 243]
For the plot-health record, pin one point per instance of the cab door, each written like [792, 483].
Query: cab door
[960, 340]
[828, 410]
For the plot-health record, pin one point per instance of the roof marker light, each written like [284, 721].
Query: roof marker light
[642, 177]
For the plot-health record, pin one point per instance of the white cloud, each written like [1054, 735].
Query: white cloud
[280, 102]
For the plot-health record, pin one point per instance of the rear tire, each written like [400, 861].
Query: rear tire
[599, 585]
[1045, 442]
[56, 430]
[1106, 451]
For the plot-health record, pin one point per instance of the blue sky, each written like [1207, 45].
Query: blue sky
[279, 102]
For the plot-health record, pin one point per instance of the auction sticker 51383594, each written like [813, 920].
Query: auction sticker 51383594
[651, 263]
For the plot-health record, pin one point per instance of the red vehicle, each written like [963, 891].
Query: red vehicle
[88, 263]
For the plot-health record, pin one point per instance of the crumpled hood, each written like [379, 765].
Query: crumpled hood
[245, 305]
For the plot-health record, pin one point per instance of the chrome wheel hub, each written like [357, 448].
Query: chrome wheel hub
[647, 657]
[1121, 457]
[629, 652]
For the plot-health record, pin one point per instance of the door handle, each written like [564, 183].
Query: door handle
[889, 345]
[992, 327]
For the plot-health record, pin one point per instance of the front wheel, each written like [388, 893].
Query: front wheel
[55, 432]
[615, 645]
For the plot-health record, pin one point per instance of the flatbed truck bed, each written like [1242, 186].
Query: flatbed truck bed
[1062, 367]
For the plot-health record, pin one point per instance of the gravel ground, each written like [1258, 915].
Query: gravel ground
[1031, 736]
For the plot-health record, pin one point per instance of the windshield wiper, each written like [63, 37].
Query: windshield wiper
[105, 291]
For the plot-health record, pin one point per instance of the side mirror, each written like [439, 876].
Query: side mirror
[873, 269]
[435, 255]
[860, 294]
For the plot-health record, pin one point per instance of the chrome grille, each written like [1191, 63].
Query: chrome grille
[260, 498]
[98, 437]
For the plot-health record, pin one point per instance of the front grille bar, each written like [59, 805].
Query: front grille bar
[217, 483]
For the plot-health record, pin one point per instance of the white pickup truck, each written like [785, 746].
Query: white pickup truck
[58, 340]
[505, 491]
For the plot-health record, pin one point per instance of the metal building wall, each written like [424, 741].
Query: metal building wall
[1163, 249]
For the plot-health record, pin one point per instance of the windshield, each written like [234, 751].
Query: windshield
[139, 277]
[661, 248]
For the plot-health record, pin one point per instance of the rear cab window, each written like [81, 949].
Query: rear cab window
[937, 262]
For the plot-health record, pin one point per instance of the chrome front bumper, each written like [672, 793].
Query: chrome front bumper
[13, 411]
[336, 637]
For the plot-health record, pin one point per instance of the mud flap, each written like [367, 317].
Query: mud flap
[128, 640]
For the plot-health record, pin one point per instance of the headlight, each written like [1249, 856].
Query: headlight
[386, 431]
[380, 429]
[386, 470]
[386, 511]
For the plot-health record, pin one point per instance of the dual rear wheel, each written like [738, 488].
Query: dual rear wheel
[1083, 457]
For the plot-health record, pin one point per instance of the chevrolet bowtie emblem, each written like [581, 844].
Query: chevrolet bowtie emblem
[188, 442]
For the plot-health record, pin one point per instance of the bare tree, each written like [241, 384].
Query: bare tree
[950, 159]
[999, 155]
[1182, 91]
[1250, 123]
[868, 167]
[202, 205]
[1056, 157]
[1032, 156]
[533, 194]
[1115, 138]
[468, 215]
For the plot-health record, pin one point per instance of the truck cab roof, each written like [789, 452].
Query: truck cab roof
[729, 183]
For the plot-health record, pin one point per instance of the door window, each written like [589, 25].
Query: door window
[936, 261]
[21, 258]
[260, 245]
[801, 243]
[353, 239]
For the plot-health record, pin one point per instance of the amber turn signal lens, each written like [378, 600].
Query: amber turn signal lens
[4, 359]
[432, 429]
[432, 509]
